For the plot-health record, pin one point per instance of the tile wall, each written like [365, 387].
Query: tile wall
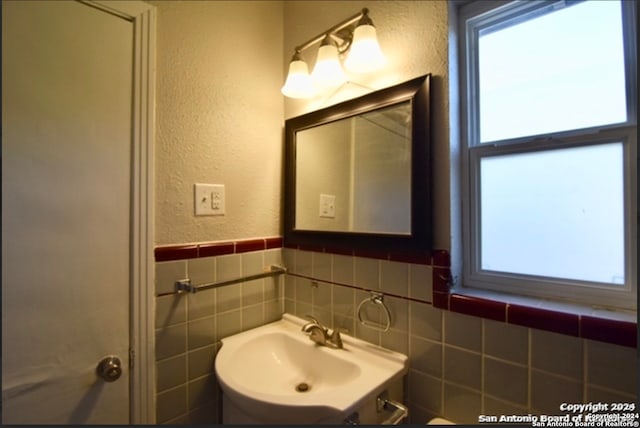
[461, 366]
[190, 326]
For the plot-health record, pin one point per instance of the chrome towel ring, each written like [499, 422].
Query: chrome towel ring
[374, 299]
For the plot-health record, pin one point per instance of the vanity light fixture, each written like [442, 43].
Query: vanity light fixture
[298, 83]
[354, 37]
[328, 72]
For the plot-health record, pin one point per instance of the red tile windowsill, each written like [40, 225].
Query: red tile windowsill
[617, 332]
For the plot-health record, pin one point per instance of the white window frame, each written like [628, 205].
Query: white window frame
[472, 17]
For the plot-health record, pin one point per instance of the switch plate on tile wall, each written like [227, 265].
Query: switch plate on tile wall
[209, 199]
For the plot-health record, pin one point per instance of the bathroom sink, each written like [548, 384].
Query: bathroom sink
[281, 363]
[275, 374]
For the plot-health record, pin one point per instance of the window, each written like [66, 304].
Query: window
[549, 137]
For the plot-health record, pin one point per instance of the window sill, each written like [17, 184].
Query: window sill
[617, 327]
[555, 306]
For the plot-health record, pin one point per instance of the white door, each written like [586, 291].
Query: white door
[66, 211]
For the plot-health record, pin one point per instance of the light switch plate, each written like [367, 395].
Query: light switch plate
[209, 199]
[327, 206]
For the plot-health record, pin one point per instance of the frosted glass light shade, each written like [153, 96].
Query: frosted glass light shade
[328, 72]
[365, 54]
[298, 83]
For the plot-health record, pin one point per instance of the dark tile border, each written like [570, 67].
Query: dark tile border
[611, 331]
[372, 254]
[414, 258]
[275, 242]
[441, 258]
[544, 319]
[215, 249]
[441, 300]
[176, 252]
[250, 245]
[391, 255]
[482, 308]
[211, 249]
[441, 279]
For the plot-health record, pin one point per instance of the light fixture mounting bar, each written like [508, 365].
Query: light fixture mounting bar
[347, 22]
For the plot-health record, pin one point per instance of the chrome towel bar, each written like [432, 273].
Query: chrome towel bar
[184, 285]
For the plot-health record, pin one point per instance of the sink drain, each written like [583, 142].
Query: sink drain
[303, 387]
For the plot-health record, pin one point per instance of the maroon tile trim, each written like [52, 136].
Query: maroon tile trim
[423, 258]
[250, 245]
[441, 258]
[372, 254]
[175, 252]
[478, 307]
[273, 242]
[415, 258]
[610, 331]
[216, 249]
[311, 248]
[543, 319]
[193, 251]
[441, 300]
[441, 279]
[339, 251]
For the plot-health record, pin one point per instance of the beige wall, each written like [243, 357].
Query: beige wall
[219, 117]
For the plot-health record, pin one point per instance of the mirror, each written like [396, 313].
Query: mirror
[353, 174]
[358, 173]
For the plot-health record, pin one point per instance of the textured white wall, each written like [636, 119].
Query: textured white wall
[413, 37]
[220, 112]
[219, 117]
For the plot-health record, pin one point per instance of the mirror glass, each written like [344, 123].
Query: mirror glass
[354, 174]
[357, 174]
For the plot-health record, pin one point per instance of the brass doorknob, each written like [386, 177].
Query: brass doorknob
[109, 368]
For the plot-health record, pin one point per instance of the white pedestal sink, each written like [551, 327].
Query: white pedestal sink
[274, 374]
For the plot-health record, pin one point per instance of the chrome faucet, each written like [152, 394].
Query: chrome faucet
[335, 341]
[320, 334]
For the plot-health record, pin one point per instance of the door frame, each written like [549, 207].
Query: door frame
[142, 318]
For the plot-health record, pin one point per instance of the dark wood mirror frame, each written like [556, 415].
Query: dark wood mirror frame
[418, 242]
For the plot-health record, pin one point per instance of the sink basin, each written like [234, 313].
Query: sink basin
[278, 364]
[275, 374]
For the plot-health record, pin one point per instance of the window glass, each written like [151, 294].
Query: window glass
[550, 209]
[553, 71]
[556, 213]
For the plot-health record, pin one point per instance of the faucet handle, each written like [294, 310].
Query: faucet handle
[335, 336]
[339, 330]
[311, 318]
[313, 322]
